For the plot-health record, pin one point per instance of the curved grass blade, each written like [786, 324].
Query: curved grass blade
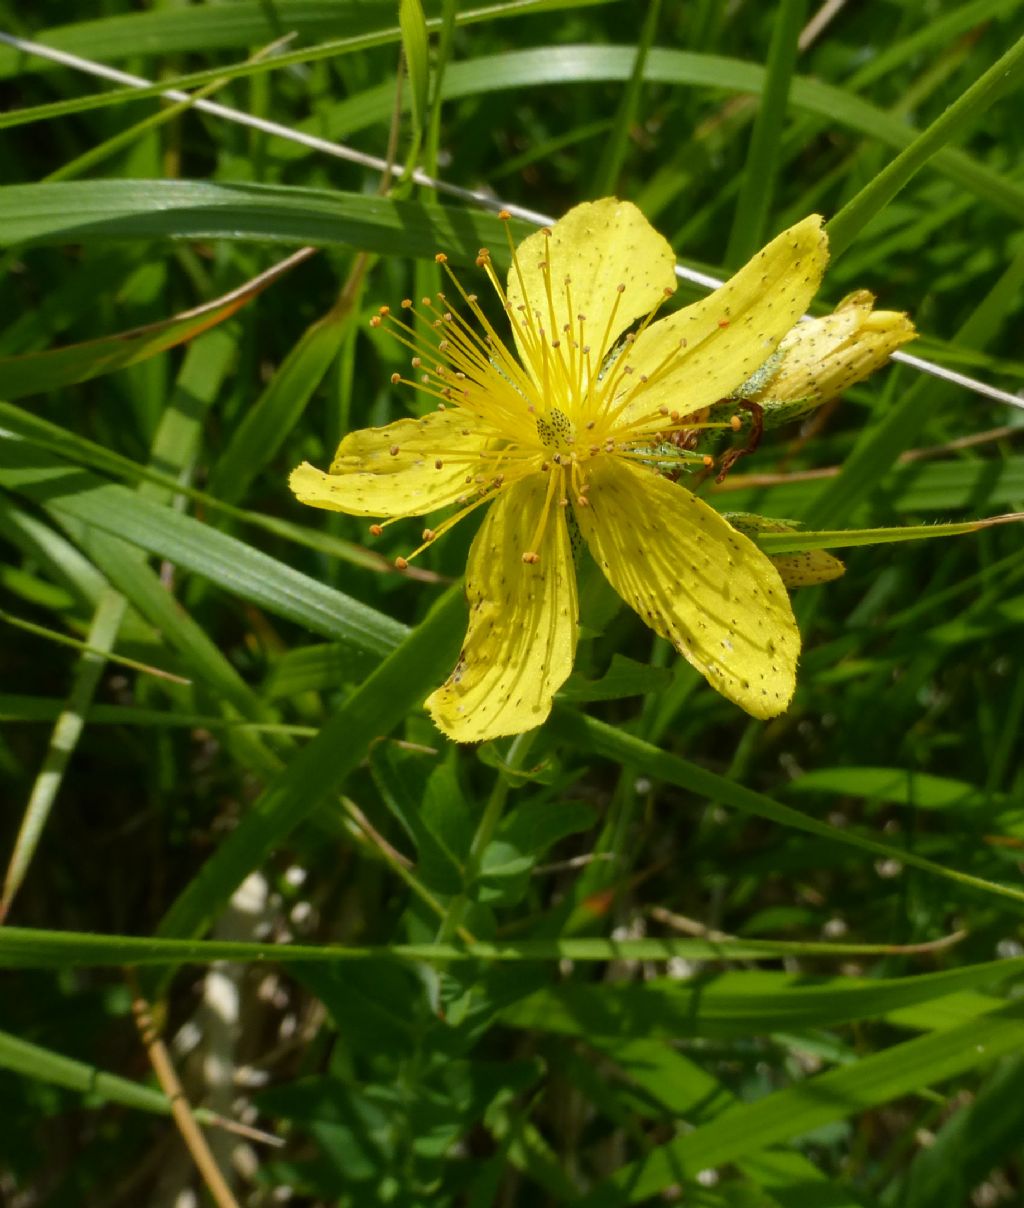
[36, 372]
[76, 211]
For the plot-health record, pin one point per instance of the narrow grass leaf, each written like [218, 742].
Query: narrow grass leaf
[413, 25]
[734, 1005]
[798, 540]
[35, 948]
[273, 416]
[66, 733]
[33, 1061]
[36, 372]
[613, 154]
[1002, 77]
[898, 786]
[757, 182]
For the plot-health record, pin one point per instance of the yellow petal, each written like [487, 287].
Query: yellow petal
[696, 581]
[809, 568]
[819, 359]
[523, 621]
[394, 470]
[599, 246]
[703, 352]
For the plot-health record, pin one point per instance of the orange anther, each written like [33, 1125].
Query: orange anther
[504, 215]
[395, 379]
[376, 529]
[393, 450]
[530, 558]
[401, 564]
[441, 258]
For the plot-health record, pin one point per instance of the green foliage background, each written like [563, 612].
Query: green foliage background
[655, 950]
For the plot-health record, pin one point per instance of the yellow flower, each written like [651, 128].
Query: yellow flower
[575, 438]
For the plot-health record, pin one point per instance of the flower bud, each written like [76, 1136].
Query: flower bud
[819, 358]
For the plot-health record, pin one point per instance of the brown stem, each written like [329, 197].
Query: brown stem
[190, 1131]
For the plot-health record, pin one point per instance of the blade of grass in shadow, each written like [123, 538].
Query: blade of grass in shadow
[73, 495]
[757, 182]
[80, 451]
[28, 709]
[88, 647]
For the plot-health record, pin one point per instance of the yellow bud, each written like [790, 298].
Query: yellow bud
[820, 358]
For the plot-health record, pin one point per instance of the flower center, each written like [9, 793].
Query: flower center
[556, 430]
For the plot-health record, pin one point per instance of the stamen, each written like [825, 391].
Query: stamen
[538, 535]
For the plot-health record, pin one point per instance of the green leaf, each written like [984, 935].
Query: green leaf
[750, 229]
[34, 948]
[733, 1006]
[34, 1061]
[899, 786]
[273, 416]
[624, 677]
